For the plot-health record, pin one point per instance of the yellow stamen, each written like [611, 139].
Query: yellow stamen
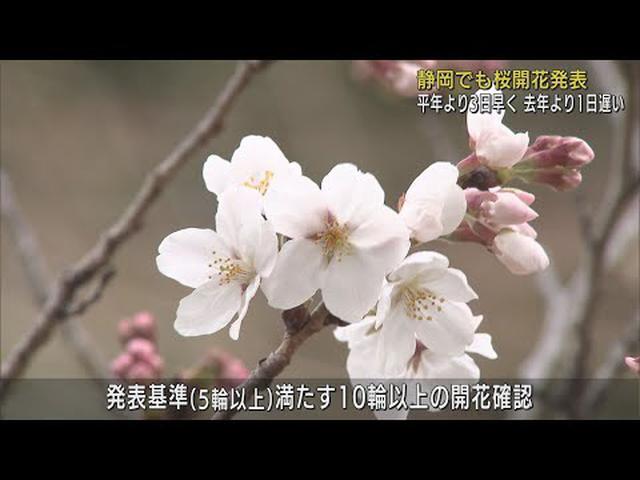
[260, 185]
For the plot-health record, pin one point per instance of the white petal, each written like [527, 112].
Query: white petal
[296, 207]
[217, 174]
[351, 286]
[425, 264]
[477, 123]
[384, 237]
[357, 332]
[453, 286]
[294, 169]
[185, 255]
[257, 154]
[444, 367]
[208, 309]
[502, 148]
[450, 331]
[521, 254]
[296, 276]
[436, 180]
[384, 302]
[482, 346]
[237, 207]
[351, 195]
[433, 202]
[454, 209]
[258, 245]
[397, 343]
[247, 296]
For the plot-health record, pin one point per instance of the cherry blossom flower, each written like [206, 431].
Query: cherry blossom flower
[495, 145]
[434, 204]
[424, 299]
[365, 361]
[344, 240]
[224, 267]
[256, 164]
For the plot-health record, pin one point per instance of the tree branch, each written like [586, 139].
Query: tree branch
[33, 261]
[272, 366]
[564, 347]
[65, 288]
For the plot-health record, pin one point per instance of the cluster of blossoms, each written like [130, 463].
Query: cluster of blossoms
[399, 76]
[498, 216]
[278, 231]
[140, 360]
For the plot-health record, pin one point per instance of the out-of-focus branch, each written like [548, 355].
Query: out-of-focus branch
[33, 261]
[64, 290]
[25, 241]
[297, 332]
[611, 367]
[564, 347]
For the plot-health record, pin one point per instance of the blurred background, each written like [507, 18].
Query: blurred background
[77, 139]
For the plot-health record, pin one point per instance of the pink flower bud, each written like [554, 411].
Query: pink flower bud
[475, 198]
[633, 363]
[521, 254]
[144, 325]
[141, 348]
[121, 364]
[554, 151]
[558, 179]
[509, 208]
[235, 370]
[125, 330]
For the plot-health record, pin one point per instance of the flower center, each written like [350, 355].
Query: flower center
[420, 303]
[262, 184]
[334, 240]
[227, 270]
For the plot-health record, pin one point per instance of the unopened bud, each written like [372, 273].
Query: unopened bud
[558, 179]
[141, 348]
[144, 325]
[521, 254]
[121, 364]
[125, 330]
[556, 151]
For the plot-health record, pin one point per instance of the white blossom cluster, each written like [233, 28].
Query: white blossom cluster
[279, 231]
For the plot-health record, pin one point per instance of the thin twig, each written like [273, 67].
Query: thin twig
[65, 288]
[33, 261]
[272, 366]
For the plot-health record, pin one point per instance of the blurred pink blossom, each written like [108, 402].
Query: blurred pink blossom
[633, 363]
[140, 360]
[399, 76]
